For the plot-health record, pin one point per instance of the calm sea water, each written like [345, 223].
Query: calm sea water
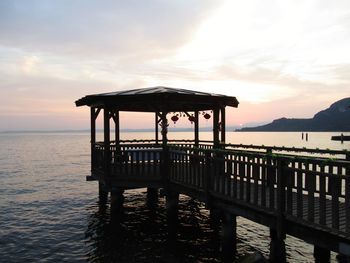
[49, 213]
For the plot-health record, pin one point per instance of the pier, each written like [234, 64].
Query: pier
[296, 191]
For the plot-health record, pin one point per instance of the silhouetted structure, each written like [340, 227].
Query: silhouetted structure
[307, 197]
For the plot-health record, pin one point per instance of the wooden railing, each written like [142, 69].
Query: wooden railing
[308, 189]
[311, 190]
[129, 159]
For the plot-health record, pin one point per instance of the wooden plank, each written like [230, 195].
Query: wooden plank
[347, 202]
[311, 184]
[248, 175]
[335, 190]
[256, 167]
[241, 176]
[289, 186]
[300, 190]
[271, 186]
[322, 198]
[263, 183]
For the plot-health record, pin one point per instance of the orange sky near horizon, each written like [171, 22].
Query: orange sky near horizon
[279, 58]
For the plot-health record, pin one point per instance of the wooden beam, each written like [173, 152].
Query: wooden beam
[95, 113]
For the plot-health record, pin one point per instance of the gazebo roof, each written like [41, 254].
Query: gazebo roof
[158, 99]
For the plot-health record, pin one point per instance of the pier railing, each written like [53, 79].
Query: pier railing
[311, 190]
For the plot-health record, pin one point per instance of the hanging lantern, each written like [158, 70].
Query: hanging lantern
[207, 116]
[174, 119]
[191, 119]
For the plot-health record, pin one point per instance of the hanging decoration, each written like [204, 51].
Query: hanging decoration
[191, 119]
[175, 118]
[177, 115]
[206, 116]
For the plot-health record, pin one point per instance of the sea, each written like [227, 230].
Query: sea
[50, 213]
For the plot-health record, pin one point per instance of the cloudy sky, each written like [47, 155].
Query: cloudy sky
[280, 58]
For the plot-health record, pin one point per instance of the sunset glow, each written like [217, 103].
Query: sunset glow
[280, 59]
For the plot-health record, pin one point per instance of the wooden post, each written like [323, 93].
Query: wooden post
[93, 134]
[223, 125]
[106, 132]
[216, 128]
[164, 124]
[277, 248]
[117, 201]
[347, 195]
[152, 197]
[281, 197]
[229, 236]
[156, 128]
[196, 129]
[277, 245]
[215, 216]
[102, 194]
[93, 116]
[321, 255]
[207, 178]
[117, 129]
[172, 201]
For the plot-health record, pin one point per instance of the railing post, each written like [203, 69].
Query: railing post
[347, 194]
[165, 162]
[281, 196]
[207, 177]
[277, 246]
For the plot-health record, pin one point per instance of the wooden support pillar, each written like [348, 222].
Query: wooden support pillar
[343, 258]
[277, 247]
[102, 194]
[278, 235]
[321, 255]
[229, 237]
[216, 139]
[116, 129]
[152, 197]
[93, 116]
[223, 125]
[156, 128]
[172, 202]
[164, 125]
[117, 200]
[196, 129]
[106, 132]
[214, 218]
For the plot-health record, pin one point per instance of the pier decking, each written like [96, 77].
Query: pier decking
[301, 192]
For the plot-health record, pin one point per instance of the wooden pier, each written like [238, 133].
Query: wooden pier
[300, 192]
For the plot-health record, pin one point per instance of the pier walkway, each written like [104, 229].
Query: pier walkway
[300, 192]
[301, 195]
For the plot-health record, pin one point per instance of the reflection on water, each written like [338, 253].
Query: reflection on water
[50, 213]
[141, 235]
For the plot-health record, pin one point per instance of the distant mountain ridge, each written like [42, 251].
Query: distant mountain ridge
[335, 118]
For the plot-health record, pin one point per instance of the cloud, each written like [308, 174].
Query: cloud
[96, 28]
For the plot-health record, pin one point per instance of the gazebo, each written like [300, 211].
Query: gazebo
[120, 163]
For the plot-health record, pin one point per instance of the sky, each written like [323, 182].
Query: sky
[280, 58]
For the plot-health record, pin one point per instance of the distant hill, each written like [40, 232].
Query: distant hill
[335, 118]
